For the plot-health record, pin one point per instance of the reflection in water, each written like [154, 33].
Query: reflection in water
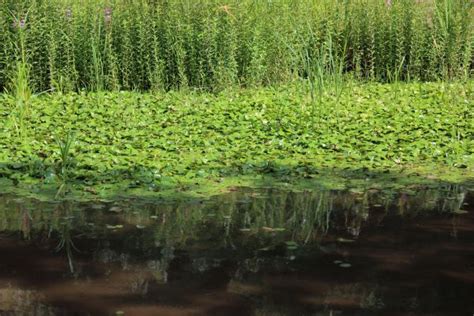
[263, 252]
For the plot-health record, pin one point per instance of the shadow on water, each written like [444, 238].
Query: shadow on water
[246, 252]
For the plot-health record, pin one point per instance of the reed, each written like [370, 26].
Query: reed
[211, 45]
[19, 88]
[65, 162]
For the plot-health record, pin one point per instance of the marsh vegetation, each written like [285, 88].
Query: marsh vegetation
[232, 88]
[280, 157]
[212, 45]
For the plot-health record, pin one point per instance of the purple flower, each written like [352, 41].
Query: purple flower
[108, 15]
[19, 23]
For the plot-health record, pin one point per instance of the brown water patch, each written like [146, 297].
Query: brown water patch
[80, 259]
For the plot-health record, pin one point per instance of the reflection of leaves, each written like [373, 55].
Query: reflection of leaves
[372, 301]
[114, 226]
[66, 239]
[344, 240]
[291, 245]
[115, 209]
[271, 229]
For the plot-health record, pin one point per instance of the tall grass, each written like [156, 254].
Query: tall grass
[66, 160]
[213, 44]
[19, 86]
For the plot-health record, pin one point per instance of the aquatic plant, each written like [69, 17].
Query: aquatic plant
[212, 45]
[66, 160]
[19, 87]
[197, 137]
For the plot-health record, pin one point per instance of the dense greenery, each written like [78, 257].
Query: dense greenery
[107, 137]
[148, 44]
[359, 109]
[313, 99]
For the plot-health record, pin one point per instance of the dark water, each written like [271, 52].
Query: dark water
[243, 253]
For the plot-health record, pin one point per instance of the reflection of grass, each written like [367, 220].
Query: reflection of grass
[67, 244]
[277, 217]
[302, 216]
[260, 220]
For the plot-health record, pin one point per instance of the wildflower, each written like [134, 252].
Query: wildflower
[108, 15]
[68, 14]
[19, 23]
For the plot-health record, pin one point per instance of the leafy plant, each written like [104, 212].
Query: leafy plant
[66, 160]
[202, 136]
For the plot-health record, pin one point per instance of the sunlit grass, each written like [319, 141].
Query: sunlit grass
[213, 45]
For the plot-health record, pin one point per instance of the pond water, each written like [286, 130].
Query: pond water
[247, 252]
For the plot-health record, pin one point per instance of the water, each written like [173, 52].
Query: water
[249, 252]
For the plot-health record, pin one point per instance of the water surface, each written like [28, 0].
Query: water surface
[248, 252]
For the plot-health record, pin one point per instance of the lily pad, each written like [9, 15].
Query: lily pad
[344, 240]
[460, 212]
[114, 226]
[345, 265]
[115, 209]
[272, 229]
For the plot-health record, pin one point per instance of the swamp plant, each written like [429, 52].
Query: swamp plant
[212, 45]
[66, 161]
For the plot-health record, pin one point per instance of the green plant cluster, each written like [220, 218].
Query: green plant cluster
[128, 135]
[66, 45]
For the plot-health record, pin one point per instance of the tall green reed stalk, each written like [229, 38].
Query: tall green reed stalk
[20, 88]
[211, 45]
[66, 161]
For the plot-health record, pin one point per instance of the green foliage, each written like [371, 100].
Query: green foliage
[65, 158]
[211, 45]
[147, 137]
[19, 88]
[65, 162]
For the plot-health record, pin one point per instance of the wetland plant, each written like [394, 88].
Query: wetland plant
[174, 44]
[20, 87]
[66, 160]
